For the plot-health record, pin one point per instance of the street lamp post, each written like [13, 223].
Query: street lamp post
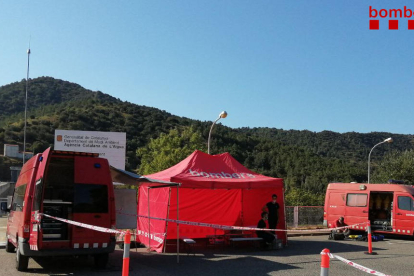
[25, 106]
[388, 140]
[223, 115]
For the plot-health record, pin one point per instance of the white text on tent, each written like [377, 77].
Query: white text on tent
[221, 175]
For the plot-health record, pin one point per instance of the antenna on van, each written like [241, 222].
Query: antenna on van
[25, 103]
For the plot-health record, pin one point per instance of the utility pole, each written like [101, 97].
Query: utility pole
[25, 105]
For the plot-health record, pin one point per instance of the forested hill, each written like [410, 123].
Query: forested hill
[56, 104]
[307, 160]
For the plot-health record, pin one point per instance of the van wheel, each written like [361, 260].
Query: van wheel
[22, 262]
[9, 246]
[101, 260]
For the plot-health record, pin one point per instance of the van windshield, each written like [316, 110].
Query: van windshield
[90, 198]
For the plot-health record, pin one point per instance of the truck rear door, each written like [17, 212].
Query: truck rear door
[91, 202]
[37, 200]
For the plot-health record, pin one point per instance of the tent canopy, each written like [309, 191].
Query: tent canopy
[130, 178]
[214, 189]
[222, 171]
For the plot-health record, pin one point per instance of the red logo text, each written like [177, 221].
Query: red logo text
[393, 15]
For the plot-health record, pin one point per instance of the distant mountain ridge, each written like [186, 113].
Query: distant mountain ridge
[306, 159]
[42, 91]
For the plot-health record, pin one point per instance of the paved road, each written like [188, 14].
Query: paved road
[3, 225]
[301, 257]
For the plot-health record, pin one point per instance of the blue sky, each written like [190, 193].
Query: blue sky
[287, 64]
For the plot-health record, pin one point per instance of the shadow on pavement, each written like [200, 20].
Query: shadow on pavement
[295, 247]
[160, 264]
[242, 260]
[72, 266]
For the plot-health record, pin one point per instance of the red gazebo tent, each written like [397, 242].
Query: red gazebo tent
[214, 189]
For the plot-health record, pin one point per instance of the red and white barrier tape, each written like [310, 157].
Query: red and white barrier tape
[357, 266]
[201, 224]
[226, 227]
[88, 226]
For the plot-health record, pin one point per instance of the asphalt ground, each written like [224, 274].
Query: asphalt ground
[3, 225]
[301, 257]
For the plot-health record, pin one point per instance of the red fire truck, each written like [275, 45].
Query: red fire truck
[389, 207]
[70, 185]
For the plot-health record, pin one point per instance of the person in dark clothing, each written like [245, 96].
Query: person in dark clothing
[265, 235]
[272, 208]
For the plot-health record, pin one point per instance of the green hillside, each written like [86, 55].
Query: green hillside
[56, 104]
[307, 160]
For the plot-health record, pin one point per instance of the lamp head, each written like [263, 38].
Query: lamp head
[223, 114]
[388, 140]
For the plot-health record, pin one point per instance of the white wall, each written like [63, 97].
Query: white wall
[13, 151]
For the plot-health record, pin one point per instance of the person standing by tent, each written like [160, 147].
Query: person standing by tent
[272, 208]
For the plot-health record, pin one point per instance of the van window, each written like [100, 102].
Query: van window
[405, 203]
[356, 200]
[18, 198]
[59, 180]
[90, 198]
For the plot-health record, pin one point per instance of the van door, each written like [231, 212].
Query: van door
[16, 217]
[37, 200]
[91, 201]
[356, 209]
[335, 207]
[403, 214]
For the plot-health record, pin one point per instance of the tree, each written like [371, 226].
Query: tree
[396, 165]
[169, 149]
[38, 147]
[298, 197]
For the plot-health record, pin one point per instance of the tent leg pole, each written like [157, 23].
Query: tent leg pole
[284, 214]
[178, 229]
[242, 215]
[136, 218]
[135, 239]
[166, 224]
[149, 221]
